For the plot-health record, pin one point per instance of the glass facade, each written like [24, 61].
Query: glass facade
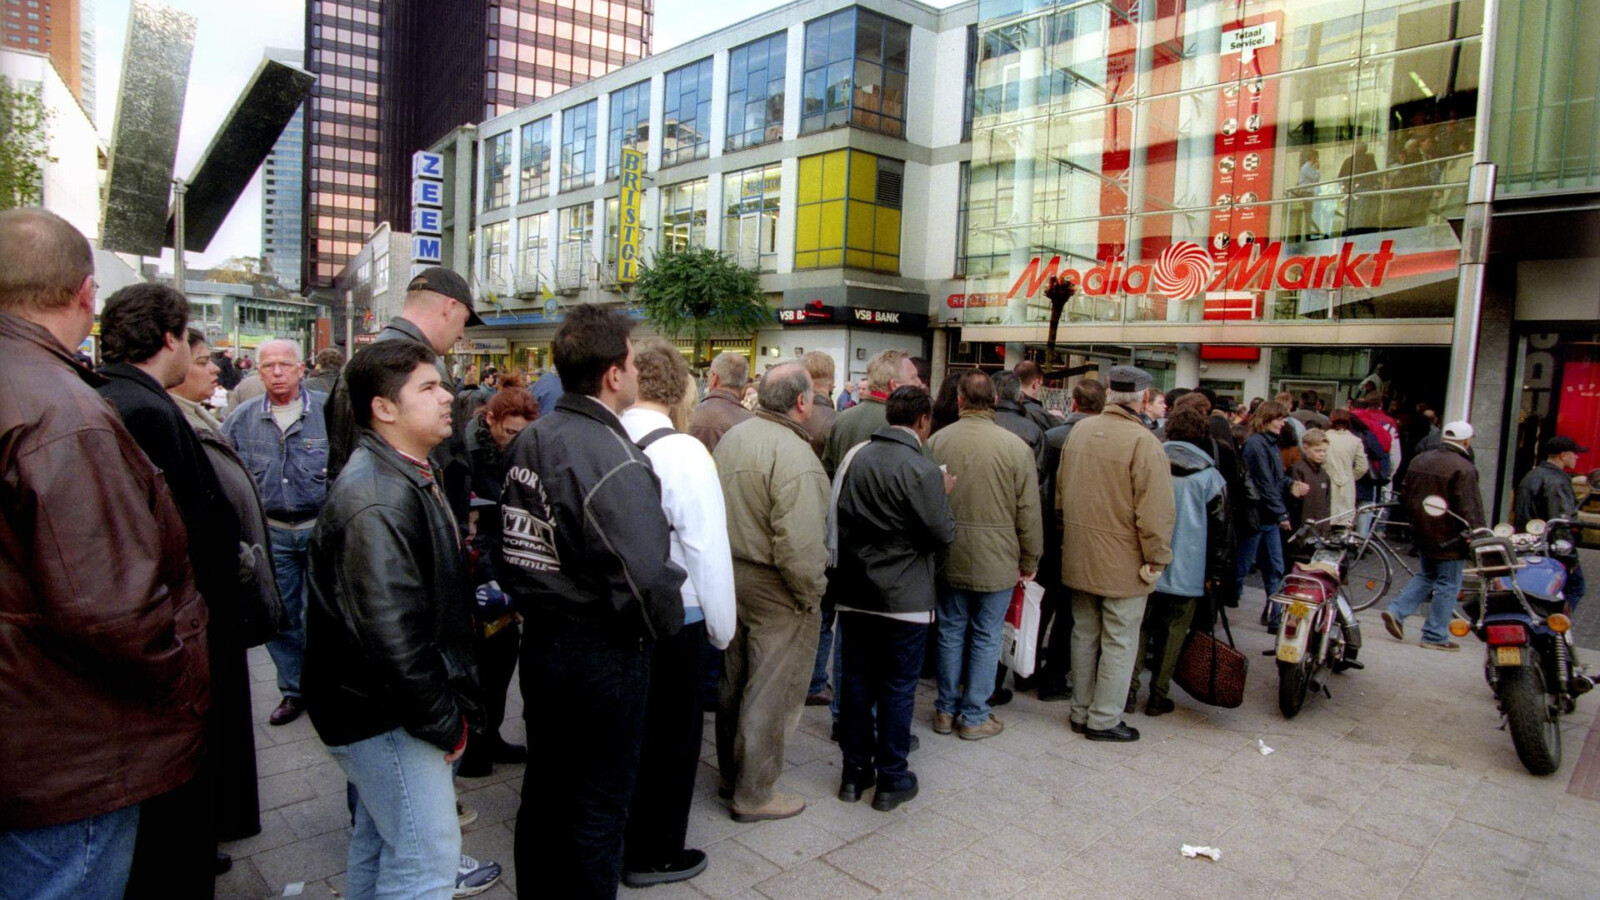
[574, 235]
[629, 124]
[750, 216]
[282, 200]
[1198, 161]
[537, 48]
[342, 141]
[683, 215]
[496, 251]
[755, 91]
[1545, 134]
[535, 160]
[533, 261]
[848, 212]
[686, 118]
[497, 171]
[578, 145]
[855, 72]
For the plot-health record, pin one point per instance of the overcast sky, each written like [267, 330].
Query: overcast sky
[229, 39]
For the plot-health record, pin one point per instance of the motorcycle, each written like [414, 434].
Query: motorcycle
[1521, 616]
[1319, 633]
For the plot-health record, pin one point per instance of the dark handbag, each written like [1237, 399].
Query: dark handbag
[261, 611]
[1211, 671]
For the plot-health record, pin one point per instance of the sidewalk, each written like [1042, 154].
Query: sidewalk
[1400, 786]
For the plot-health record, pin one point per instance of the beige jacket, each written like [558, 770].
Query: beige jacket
[777, 498]
[1114, 487]
[999, 533]
[1346, 463]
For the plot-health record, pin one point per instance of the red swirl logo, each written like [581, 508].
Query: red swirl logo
[1182, 271]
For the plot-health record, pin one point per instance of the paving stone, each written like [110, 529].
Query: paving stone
[311, 859]
[288, 757]
[242, 882]
[879, 861]
[318, 815]
[495, 803]
[789, 842]
[964, 873]
[929, 832]
[815, 880]
[732, 868]
[275, 832]
[283, 789]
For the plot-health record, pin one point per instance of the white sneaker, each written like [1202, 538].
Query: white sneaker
[473, 877]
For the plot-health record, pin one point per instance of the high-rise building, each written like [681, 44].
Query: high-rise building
[393, 76]
[86, 49]
[282, 193]
[51, 27]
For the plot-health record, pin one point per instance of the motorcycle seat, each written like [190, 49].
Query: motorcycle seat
[1326, 574]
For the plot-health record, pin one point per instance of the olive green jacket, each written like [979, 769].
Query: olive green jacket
[777, 499]
[1114, 489]
[999, 533]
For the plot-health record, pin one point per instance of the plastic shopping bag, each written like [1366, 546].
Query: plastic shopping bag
[1019, 636]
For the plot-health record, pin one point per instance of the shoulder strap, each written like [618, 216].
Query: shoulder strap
[1222, 613]
[656, 435]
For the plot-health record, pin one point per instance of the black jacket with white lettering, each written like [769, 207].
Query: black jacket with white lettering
[585, 542]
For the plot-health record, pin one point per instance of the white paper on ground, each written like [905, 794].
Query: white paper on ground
[1210, 853]
[1262, 746]
[295, 889]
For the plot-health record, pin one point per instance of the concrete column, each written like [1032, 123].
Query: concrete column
[1186, 370]
[1016, 351]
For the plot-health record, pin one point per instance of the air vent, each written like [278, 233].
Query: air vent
[889, 188]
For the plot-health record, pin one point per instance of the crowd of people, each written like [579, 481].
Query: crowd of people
[403, 545]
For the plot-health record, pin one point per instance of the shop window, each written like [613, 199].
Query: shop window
[750, 216]
[497, 171]
[578, 146]
[683, 215]
[855, 73]
[535, 160]
[755, 91]
[848, 212]
[686, 119]
[629, 122]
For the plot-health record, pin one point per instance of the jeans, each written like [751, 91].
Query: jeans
[658, 821]
[290, 556]
[969, 645]
[1573, 591]
[1439, 580]
[406, 842]
[881, 665]
[819, 670]
[1264, 545]
[585, 731]
[84, 860]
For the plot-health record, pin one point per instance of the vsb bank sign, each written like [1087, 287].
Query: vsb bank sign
[1185, 270]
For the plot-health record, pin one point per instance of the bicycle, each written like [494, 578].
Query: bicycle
[1373, 562]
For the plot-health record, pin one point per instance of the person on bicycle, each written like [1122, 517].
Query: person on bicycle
[1546, 493]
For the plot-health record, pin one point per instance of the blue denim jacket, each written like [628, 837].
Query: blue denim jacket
[290, 467]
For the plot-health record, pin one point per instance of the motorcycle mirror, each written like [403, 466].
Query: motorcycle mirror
[1534, 527]
[1435, 505]
[1561, 548]
[1593, 477]
[1504, 529]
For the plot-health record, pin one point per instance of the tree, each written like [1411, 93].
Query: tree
[698, 293]
[24, 144]
[239, 270]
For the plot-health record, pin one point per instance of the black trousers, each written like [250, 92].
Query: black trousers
[585, 694]
[674, 723]
[497, 660]
[1055, 619]
[881, 662]
[175, 853]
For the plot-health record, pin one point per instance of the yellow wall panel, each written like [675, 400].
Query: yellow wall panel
[805, 260]
[830, 259]
[883, 263]
[863, 176]
[835, 166]
[810, 181]
[806, 227]
[858, 259]
[860, 231]
[888, 231]
[832, 225]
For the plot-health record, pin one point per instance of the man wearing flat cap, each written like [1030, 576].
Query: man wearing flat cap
[1546, 493]
[1114, 494]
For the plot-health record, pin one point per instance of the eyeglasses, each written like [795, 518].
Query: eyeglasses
[277, 366]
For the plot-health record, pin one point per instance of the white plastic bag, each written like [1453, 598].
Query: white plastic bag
[1019, 636]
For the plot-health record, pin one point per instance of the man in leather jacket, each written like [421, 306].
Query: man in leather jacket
[1546, 493]
[585, 552]
[389, 681]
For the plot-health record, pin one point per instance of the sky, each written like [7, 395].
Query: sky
[229, 39]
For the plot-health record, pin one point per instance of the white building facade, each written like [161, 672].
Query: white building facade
[71, 178]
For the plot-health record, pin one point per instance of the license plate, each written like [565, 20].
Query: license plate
[1508, 656]
[1299, 609]
[1327, 556]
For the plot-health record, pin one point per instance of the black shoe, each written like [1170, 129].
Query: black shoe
[1133, 701]
[287, 711]
[1265, 612]
[509, 754]
[1055, 691]
[1159, 706]
[1000, 697]
[224, 863]
[688, 864]
[833, 733]
[1121, 734]
[883, 800]
[1025, 684]
[853, 785]
[475, 765]
[916, 744]
[1345, 665]
[1077, 727]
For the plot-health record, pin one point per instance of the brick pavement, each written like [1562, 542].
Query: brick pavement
[1400, 786]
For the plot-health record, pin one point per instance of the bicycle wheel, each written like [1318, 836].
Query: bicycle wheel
[1371, 574]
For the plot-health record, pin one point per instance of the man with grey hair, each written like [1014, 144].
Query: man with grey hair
[282, 438]
[1010, 414]
[1114, 490]
[723, 406]
[777, 500]
[888, 370]
[104, 632]
[820, 421]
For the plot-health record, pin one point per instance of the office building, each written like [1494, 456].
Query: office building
[56, 28]
[282, 193]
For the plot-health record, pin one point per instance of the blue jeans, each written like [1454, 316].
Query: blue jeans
[819, 670]
[881, 666]
[1438, 581]
[290, 555]
[84, 860]
[1263, 546]
[969, 644]
[1573, 590]
[406, 842]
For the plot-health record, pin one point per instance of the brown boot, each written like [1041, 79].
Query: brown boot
[943, 723]
[781, 806]
[990, 727]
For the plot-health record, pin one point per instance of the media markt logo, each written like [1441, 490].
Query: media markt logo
[1182, 271]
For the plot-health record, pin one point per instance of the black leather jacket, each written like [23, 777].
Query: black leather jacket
[1449, 473]
[388, 638]
[894, 519]
[1545, 493]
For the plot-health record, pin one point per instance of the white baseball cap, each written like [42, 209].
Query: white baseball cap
[1458, 431]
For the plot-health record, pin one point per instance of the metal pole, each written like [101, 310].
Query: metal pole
[179, 272]
[1474, 235]
[349, 324]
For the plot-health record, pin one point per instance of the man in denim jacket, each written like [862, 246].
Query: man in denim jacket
[283, 440]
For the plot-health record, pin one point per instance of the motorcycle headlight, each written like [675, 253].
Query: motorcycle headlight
[1504, 529]
[1561, 548]
[1535, 527]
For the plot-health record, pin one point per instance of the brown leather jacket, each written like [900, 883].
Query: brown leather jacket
[104, 683]
[718, 412]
